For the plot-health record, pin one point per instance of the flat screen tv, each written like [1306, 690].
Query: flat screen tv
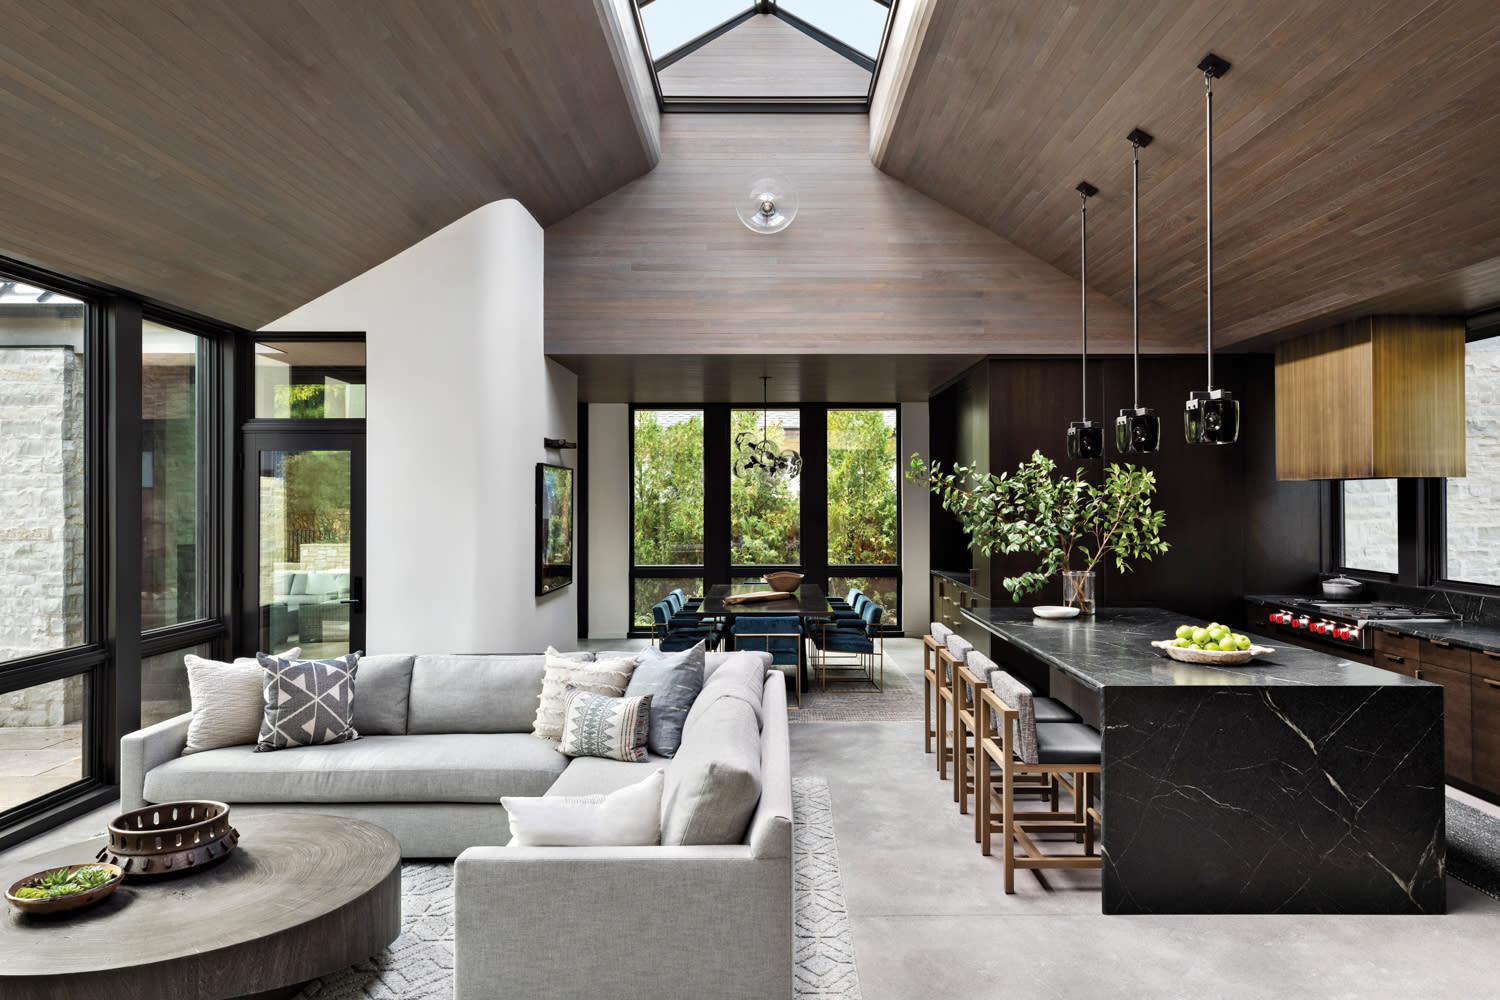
[554, 527]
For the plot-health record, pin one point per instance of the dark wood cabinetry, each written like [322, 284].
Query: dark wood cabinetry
[1449, 666]
[1484, 696]
[949, 598]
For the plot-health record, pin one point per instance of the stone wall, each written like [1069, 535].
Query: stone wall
[1370, 525]
[1473, 516]
[42, 555]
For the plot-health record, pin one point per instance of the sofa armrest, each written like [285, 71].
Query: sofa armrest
[144, 749]
[643, 916]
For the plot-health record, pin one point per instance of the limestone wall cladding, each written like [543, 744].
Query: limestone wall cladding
[1370, 525]
[1474, 501]
[42, 557]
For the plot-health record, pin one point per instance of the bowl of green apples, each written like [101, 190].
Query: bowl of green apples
[1211, 643]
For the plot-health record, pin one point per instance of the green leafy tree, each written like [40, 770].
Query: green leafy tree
[862, 502]
[765, 516]
[668, 494]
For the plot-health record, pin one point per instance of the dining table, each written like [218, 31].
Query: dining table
[807, 602]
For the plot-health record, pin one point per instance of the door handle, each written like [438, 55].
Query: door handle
[1417, 674]
[1493, 684]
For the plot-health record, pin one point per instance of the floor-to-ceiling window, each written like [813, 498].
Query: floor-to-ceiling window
[701, 515]
[864, 542]
[51, 659]
[666, 507]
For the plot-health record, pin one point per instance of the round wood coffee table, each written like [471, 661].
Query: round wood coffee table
[302, 895]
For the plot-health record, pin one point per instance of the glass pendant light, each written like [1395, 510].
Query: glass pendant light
[1212, 416]
[766, 205]
[1138, 429]
[1085, 437]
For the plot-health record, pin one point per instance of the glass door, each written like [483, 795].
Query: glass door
[306, 541]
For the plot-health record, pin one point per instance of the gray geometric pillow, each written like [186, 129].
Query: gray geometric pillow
[308, 702]
[596, 725]
[673, 680]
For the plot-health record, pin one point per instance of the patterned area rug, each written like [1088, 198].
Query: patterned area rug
[1473, 847]
[419, 964]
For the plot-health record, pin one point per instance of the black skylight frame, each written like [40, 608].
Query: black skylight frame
[771, 105]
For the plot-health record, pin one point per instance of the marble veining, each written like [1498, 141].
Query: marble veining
[1301, 782]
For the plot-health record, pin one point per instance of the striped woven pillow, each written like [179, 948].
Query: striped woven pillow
[596, 725]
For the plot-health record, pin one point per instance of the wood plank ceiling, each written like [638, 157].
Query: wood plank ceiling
[764, 57]
[1356, 149]
[239, 159]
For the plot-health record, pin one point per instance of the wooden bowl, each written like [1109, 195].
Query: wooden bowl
[1221, 657]
[170, 838]
[783, 581]
[72, 901]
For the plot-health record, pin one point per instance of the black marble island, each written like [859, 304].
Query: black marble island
[1297, 783]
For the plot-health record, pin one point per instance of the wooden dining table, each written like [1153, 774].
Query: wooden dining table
[808, 603]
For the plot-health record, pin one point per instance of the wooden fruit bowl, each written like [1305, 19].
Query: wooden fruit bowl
[783, 581]
[63, 904]
[1221, 657]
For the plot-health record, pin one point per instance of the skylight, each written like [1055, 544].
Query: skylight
[807, 54]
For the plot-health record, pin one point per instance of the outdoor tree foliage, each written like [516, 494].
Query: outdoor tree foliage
[765, 515]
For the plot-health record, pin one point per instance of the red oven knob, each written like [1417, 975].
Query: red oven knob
[1346, 633]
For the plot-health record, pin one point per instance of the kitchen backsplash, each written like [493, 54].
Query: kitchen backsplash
[1472, 608]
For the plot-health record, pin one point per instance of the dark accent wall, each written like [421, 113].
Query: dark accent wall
[1233, 528]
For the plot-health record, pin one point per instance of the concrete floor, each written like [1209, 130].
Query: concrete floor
[931, 919]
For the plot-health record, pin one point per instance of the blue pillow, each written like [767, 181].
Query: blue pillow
[673, 680]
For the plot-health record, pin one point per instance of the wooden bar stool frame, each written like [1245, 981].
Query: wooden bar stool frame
[930, 683]
[1015, 828]
[966, 764]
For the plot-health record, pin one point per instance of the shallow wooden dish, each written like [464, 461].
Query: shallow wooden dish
[72, 901]
[1222, 657]
[783, 581]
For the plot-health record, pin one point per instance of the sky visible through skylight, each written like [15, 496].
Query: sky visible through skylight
[671, 24]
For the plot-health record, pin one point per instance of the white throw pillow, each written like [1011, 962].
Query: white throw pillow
[607, 677]
[626, 817]
[229, 701]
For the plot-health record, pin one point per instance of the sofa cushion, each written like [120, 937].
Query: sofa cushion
[742, 676]
[474, 694]
[673, 680]
[299, 584]
[606, 677]
[229, 701]
[600, 775]
[382, 694]
[308, 702]
[625, 817]
[713, 784]
[596, 725]
[460, 767]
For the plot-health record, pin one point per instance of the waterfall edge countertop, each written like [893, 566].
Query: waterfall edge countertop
[1114, 647]
[1297, 783]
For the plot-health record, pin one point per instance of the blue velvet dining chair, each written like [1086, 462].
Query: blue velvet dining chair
[780, 636]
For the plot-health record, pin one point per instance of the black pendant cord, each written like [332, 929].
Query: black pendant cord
[1208, 112]
[1083, 297]
[1135, 265]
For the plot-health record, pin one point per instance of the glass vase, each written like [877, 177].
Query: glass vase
[1078, 590]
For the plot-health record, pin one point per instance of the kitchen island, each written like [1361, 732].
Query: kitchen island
[1297, 783]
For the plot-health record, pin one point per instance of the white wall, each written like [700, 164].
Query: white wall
[460, 398]
[609, 520]
[916, 582]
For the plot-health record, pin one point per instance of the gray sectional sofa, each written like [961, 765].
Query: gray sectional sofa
[444, 737]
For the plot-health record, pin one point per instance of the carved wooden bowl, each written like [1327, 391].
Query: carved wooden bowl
[170, 838]
[783, 581]
[1223, 657]
[63, 904]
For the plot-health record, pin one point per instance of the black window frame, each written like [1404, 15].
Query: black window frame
[114, 642]
[717, 458]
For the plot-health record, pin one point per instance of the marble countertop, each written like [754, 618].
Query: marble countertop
[1466, 634]
[1113, 647]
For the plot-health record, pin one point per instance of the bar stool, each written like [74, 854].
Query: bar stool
[974, 676]
[955, 650]
[1024, 746]
[934, 640]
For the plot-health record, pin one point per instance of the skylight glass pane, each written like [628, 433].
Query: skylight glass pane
[671, 24]
[857, 23]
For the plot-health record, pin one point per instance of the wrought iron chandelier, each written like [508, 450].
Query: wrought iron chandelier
[761, 459]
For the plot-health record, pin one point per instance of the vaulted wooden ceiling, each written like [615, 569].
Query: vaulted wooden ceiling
[240, 159]
[1356, 149]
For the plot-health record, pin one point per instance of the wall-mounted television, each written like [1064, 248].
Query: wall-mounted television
[554, 527]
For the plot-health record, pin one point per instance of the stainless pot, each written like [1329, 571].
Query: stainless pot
[1342, 587]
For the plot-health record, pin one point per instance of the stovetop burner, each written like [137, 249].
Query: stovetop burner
[1379, 611]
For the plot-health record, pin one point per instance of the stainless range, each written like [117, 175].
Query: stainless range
[1342, 624]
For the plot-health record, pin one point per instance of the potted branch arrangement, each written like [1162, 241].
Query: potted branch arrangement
[1063, 521]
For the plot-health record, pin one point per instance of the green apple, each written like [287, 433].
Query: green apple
[1182, 643]
[1228, 645]
[1200, 636]
[1217, 632]
[1184, 631]
[1242, 641]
